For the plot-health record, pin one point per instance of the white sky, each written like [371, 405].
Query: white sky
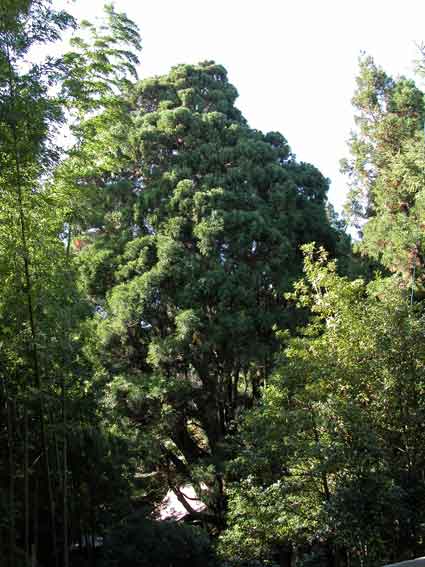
[293, 62]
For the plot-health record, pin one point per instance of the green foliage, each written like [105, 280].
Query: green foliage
[49, 402]
[386, 170]
[103, 63]
[333, 453]
[145, 315]
[142, 542]
[201, 220]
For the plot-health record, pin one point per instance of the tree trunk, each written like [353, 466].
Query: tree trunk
[34, 548]
[65, 478]
[12, 475]
[285, 555]
[26, 487]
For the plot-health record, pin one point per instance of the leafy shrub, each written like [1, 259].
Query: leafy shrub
[142, 542]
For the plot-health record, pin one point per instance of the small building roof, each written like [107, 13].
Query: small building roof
[418, 562]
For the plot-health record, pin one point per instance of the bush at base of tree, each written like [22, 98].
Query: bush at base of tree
[142, 542]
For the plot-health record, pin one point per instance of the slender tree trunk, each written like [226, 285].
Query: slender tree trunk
[65, 477]
[285, 556]
[12, 475]
[26, 487]
[91, 532]
[68, 241]
[57, 460]
[2, 546]
[34, 549]
[235, 385]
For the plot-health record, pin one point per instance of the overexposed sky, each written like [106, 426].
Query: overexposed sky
[293, 62]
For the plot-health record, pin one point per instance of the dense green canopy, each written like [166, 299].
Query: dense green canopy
[387, 169]
[334, 451]
[215, 214]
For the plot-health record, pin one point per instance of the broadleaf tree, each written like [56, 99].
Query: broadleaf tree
[331, 460]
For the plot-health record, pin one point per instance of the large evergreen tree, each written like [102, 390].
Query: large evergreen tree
[201, 222]
[386, 169]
